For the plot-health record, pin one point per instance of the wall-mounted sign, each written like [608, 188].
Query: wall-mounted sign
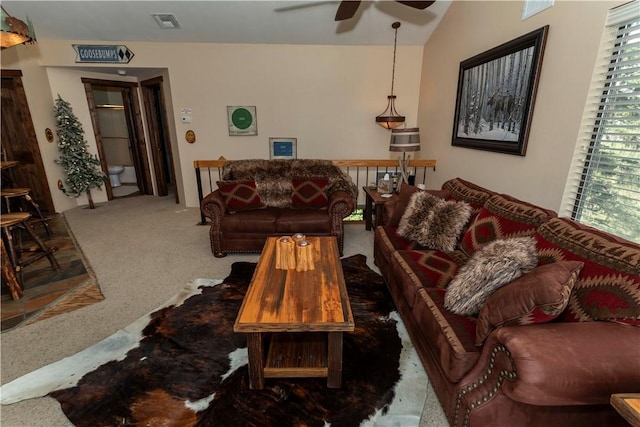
[109, 54]
[242, 120]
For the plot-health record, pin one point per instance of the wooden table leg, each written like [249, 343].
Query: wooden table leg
[379, 213]
[368, 212]
[334, 360]
[256, 360]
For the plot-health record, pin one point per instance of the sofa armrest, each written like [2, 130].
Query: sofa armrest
[340, 204]
[213, 206]
[556, 364]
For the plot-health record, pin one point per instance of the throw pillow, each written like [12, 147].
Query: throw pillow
[537, 297]
[309, 193]
[433, 222]
[404, 196]
[417, 216]
[449, 218]
[274, 189]
[494, 265]
[240, 196]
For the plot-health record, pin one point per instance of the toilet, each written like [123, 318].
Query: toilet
[114, 171]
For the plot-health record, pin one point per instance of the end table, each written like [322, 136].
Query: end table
[374, 198]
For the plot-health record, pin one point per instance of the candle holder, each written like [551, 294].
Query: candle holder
[304, 256]
[285, 254]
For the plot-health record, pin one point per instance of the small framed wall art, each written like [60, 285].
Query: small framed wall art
[283, 148]
[242, 121]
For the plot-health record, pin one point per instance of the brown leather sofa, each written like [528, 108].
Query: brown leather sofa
[261, 198]
[526, 372]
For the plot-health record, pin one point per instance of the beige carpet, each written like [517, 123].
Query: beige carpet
[143, 250]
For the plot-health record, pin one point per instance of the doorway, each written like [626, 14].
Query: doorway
[19, 141]
[159, 141]
[117, 124]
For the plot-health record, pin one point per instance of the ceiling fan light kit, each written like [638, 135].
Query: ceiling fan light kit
[390, 118]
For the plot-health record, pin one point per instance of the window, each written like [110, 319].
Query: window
[603, 187]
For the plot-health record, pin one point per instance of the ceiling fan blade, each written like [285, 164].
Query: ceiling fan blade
[346, 10]
[417, 4]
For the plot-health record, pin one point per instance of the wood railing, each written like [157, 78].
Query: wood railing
[362, 172]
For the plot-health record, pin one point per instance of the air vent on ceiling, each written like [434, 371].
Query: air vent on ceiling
[166, 21]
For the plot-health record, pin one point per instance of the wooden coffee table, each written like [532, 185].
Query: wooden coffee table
[297, 317]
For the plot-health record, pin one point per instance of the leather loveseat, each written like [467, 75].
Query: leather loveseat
[258, 198]
[546, 349]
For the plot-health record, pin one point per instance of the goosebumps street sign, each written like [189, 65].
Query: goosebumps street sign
[119, 54]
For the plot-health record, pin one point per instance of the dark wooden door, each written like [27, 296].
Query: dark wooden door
[156, 114]
[19, 141]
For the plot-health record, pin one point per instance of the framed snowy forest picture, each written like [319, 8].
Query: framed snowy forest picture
[496, 94]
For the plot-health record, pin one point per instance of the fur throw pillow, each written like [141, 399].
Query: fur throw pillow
[434, 222]
[494, 265]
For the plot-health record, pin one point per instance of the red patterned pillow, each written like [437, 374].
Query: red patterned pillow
[503, 217]
[537, 297]
[240, 196]
[309, 193]
[608, 287]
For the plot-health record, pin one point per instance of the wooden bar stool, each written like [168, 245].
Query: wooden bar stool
[9, 276]
[12, 222]
[22, 197]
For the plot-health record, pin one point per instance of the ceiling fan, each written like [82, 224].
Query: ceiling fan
[347, 9]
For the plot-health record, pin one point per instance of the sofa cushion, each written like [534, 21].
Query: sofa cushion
[450, 335]
[608, 287]
[416, 269]
[493, 266]
[459, 189]
[502, 217]
[537, 297]
[434, 222]
[404, 196]
[307, 221]
[309, 193]
[240, 196]
[261, 222]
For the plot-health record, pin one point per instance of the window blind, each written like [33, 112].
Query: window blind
[603, 187]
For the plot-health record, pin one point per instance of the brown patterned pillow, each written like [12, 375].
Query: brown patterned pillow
[608, 287]
[434, 222]
[240, 196]
[503, 217]
[537, 297]
[309, 193]
[496, 264]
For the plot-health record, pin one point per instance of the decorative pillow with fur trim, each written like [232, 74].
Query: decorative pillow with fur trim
[415, 221]
[309, 193]
[537, 297]
[404, 196]
[240, 196]
[434, 222]
[275, 190]
[494, 265]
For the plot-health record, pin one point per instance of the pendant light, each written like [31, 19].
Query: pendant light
[13, 31]
[390, 118]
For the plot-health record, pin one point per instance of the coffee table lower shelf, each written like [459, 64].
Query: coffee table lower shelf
[295, 355]
[299, 355]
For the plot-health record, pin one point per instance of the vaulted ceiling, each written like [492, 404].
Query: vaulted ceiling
[238, 21]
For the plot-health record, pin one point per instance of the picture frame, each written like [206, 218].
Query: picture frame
[242, 120]
[496, 94]
[283, 148]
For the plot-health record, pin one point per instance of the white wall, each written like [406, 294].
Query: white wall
[326, 96]
[472, 27]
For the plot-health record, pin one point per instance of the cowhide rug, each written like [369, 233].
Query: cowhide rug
[182, 365]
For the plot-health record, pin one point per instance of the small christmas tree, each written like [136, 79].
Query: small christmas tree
[82, 168]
